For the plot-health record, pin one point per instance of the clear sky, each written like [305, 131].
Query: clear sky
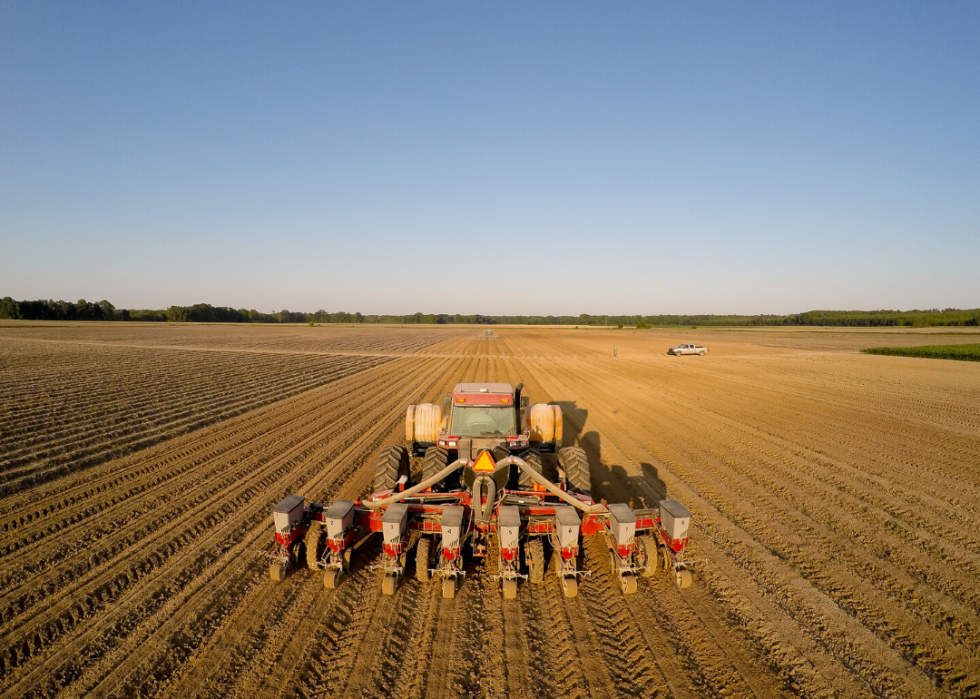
[499, 158]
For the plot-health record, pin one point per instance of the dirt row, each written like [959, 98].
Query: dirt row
[158, 571]
[833, 496]
[827, 503]
[65, 407]
[233, 336]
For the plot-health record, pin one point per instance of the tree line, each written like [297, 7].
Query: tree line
[206, 313]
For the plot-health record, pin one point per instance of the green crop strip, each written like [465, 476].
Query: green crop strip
[969, 353]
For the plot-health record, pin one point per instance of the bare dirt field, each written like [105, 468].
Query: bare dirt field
[836, 501]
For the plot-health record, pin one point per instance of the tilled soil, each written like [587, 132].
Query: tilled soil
[835, 499]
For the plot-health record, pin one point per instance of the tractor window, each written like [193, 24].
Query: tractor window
[483, 421]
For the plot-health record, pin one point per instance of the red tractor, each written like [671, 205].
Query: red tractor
[490, 501]
[478, 417]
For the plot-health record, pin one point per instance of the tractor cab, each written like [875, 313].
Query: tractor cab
[481, 417]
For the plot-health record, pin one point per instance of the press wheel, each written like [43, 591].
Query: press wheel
[449, 588]
[650, 548]
[277, 571]
[569, 586]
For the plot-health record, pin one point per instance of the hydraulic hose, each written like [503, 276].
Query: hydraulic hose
[551, 487]
[427, 483]
[478, 496]
[492, 489]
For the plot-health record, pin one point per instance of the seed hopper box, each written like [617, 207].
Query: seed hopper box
[288, 513]
[340, 518]
[451, 524]
[509, 526]
[674, 518]
[568, 523]
[394, 521]
[622, 523]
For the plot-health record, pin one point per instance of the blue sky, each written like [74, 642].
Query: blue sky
[492, 157]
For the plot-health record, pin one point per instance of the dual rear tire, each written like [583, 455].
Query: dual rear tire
[393, 463]
[435, 459]
[532, 459]
[576, 466]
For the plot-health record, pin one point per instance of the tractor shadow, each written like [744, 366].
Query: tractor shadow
[610, 482]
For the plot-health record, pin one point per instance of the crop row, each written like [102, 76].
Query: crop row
[66, 408]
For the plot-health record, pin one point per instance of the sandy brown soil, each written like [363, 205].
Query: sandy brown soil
[835, 495]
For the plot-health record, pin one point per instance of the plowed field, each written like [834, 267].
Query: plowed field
[836, 500]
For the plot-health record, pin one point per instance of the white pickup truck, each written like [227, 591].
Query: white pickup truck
[687, 349]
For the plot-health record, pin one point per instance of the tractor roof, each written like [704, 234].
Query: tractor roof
[479, 388]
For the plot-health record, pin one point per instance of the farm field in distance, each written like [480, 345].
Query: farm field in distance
[835, 499]
[970, 353]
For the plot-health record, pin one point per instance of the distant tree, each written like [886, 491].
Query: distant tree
[108, 310]
[8, 309]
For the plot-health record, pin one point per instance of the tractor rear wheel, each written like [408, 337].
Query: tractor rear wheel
[532, 459]
[435, 459]
[576, 465]
[648, 545]
[393, 463]
[510, 589]
[313, 539]
[422, 559]
[534, 553]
